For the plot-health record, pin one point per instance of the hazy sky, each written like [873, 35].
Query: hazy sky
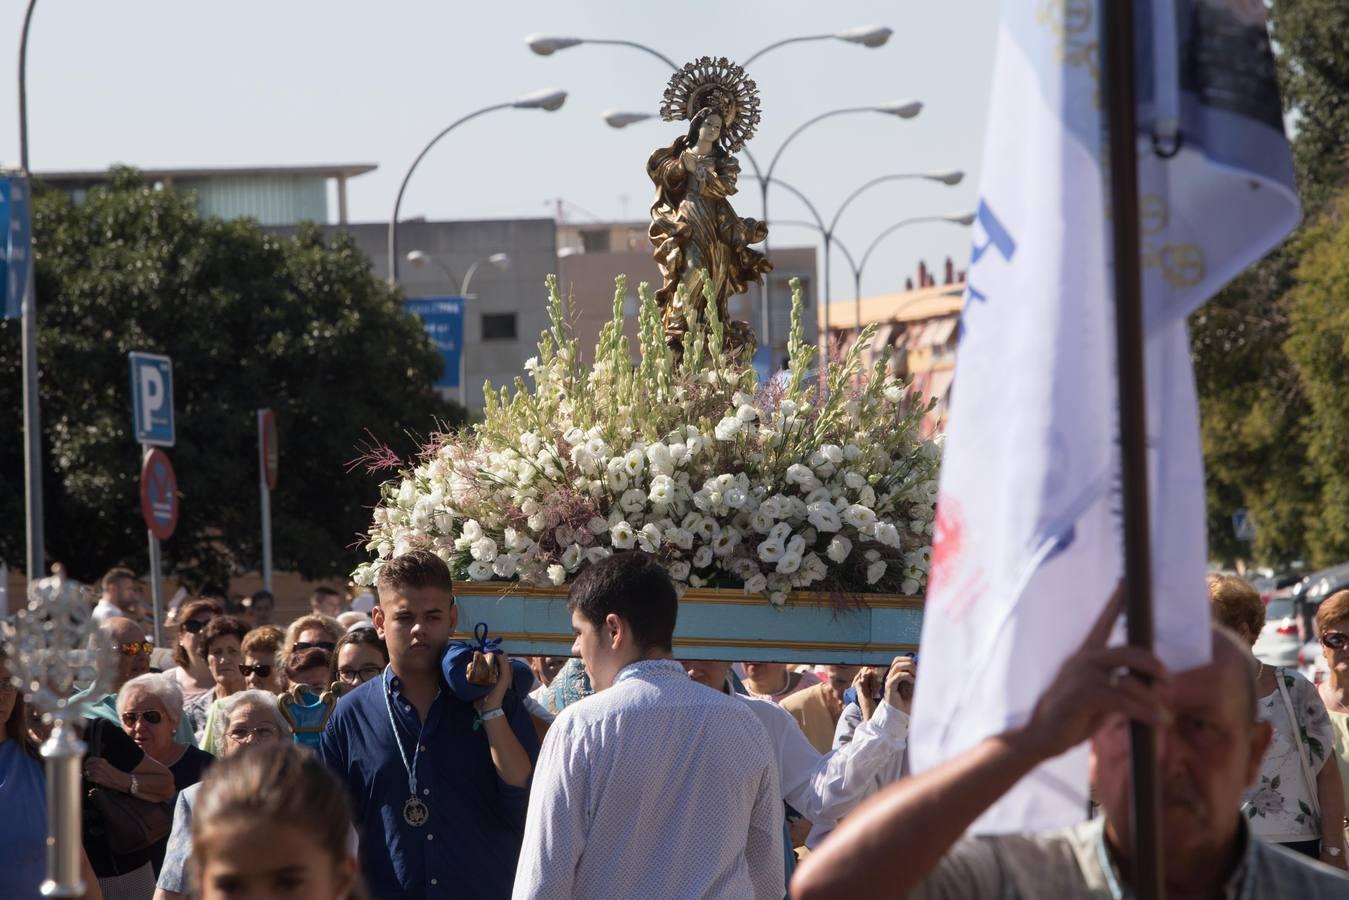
[160, 83]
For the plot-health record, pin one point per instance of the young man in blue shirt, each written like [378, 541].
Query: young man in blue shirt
[440, 786]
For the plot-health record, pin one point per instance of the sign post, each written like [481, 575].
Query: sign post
[268, 458]
[1243, 526]
[152, 419]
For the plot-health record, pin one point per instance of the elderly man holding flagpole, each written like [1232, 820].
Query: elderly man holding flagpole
[1057, 451]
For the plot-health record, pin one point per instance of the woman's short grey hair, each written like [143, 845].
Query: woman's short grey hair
[162, 687]
[263, 699]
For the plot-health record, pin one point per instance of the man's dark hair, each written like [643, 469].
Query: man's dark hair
[416, 569]
[634, 587]
[323, 591]
[119, 573]
[223, 626]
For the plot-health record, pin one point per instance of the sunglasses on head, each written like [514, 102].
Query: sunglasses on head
[135, 647]
[330, 646]
[261, 670]
[1335, 640]
[193, 626]
[153, 716]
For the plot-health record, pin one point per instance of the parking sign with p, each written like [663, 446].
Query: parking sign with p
[152, 398]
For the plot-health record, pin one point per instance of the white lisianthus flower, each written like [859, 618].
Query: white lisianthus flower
[735, 497]
[789, 563]
[746, 413]
[872, 555]
[894, 393]
[725, 543]
[833, 453]
[649, 537]
[662, 490]
[693, 440]
[707, 528]
[480, 570]
[702, 558]
[632, 501]
[867, 496]
[679, 570]
[471, 531]
[799, 474]
[595, 554]
[661, 460]
[617, 478]
[530, 443]
[597, 525]
[909, 588]
[854, 480]
[564, 535]
[680, 537]
[556, 574]
[757, 584]
[537, 522]
[506, 565]
[571, 557]
[887, 534]
[695, 581]
[780, 532]
[727, 429]
[622, 536]
[814, 568]
[839, 548]
[771, 550]
[485, 549]
[407, 493]
[574, 436]
[859, 516]
[778, 598]
[823, 516]
[634, 462]
[385, 549]
[876, 571]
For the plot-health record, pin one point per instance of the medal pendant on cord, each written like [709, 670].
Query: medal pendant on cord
[415, 812]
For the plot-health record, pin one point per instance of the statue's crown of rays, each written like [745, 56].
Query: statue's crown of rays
[718, 83]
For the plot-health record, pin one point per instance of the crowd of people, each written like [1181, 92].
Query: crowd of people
[356, 754]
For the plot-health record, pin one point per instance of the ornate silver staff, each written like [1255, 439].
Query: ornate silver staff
[48, 654]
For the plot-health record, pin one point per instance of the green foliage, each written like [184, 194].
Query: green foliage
[1313, 61]
[251, 320]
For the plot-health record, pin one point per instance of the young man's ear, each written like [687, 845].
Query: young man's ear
[613, 630]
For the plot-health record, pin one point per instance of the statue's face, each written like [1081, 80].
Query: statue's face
[711, 129]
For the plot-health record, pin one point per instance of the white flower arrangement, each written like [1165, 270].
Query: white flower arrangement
[769, 488]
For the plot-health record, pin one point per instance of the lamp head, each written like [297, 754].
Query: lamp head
[950, 178]
[547, 99]
[502, 261]
[548, 44]
[905, 109]
[617, 118]
[866, 35]
[418, 258]
[964, 219]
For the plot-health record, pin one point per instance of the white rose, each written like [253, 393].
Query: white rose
[859, 516]
[702, 558]
[867, 496]
[622, 536]
[746, 413]
[854, 480]
[833, 453]
[679, 570]
[485, 549]
[506, 565]
[480, 570]
[649, 537]
[725, 543]
[556, 574]
[887, 534]
[471, 531]
[756, 585]
[875, 571]
[789, 563]
[814, 567]
[661, 460]
[839, 548]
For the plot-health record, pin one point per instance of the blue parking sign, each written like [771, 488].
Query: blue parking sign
[152, 398]
[443, 319]
[17, 243]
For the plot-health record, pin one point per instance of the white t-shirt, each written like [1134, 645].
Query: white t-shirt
[1281, 805]
[105, 610]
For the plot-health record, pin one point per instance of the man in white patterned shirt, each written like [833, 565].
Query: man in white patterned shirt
[687, 804]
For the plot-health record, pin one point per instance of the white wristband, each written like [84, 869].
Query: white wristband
[488, 715]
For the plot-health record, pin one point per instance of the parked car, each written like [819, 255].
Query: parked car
[1278, 643]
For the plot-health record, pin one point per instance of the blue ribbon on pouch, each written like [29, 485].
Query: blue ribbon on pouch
[486, 644]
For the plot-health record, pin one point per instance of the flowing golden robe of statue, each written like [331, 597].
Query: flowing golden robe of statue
[696, 231]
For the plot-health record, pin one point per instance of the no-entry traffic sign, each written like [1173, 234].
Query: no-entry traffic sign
[159, 494]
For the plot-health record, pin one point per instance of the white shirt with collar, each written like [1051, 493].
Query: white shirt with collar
[105, 609]
[655, 788]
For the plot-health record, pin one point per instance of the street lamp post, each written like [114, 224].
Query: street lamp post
[546, 100]
[870, 36]
[32, 409]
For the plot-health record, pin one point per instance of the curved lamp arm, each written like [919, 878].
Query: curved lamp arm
[955, 220]
[949, 178]
[796, 40]
[834, 241]
[828, 235]
[803, 126]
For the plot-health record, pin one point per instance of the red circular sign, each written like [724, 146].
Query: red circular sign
[271, 453]
[159, 494]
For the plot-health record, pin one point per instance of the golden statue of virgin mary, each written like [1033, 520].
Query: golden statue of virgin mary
[697, 235]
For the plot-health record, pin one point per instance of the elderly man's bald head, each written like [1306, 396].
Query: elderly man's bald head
[125, 640]
[1232, 657]
[121, 631]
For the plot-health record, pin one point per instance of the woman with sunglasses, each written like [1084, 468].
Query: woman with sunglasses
[262, 652]
[308, 632]
[1297, 801]
[192, 674]
[1332, 624]
[361, 655]
[150, 708]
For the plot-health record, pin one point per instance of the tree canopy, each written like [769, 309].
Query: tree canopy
[251, 320]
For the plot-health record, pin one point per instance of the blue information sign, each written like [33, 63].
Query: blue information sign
[152, 398]
[443, 319]
[17, 243]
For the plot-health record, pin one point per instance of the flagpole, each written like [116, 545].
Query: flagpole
[1147, 875]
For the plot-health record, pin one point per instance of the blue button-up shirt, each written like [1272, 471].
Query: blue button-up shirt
[470, 843]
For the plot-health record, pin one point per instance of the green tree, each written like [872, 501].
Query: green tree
[251, 320]
[1313, 62]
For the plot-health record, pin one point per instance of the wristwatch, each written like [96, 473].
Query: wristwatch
[135, 786]
[1334, 851]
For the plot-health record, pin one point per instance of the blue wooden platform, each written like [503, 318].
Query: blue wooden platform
[714, 624]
